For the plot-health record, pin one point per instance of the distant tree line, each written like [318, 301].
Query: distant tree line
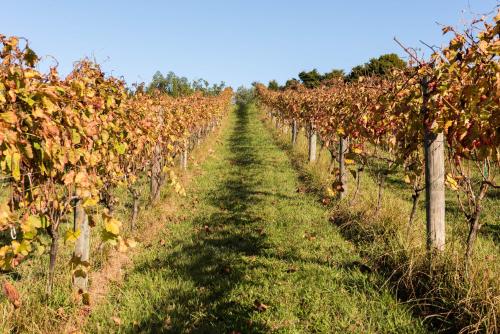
[176, 86]
[376, 66]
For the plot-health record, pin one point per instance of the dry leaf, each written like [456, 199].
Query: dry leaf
[12, 294]
[261, 307]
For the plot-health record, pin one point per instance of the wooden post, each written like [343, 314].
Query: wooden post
[343, 146]
[82, 244]
[434, 181]
[312, 142]
[156, 166]
[135, 207]
[434, 190]
[54, 248]
[155, 174]
[184, 156]
[294, 131]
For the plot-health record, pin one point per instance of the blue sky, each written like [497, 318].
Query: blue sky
[234, 41]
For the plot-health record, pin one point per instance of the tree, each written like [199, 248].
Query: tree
[216, 89]
[377, 66]
[171, 84]
[201, 85]
[292, 83]
[333, 74]
[244, 95]
[176, 86]
[273, 85]
[310, 79]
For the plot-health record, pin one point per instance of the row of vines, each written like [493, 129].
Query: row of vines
[438, 119]
[65, 144]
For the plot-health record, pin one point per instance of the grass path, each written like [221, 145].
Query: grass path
[253, 255]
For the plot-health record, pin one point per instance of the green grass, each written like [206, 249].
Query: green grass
[249, 236]
[42, 314]
[449, 300]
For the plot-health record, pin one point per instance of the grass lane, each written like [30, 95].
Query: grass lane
[254, 255]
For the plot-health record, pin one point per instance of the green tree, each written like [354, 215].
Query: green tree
[292, 83]
[377, 66]
[310, 79]
[171, 84]
[244, 95]
[174, 85]
[333, 74]
[216, 89]
[273, 85]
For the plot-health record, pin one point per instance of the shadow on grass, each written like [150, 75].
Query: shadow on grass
[212, 261]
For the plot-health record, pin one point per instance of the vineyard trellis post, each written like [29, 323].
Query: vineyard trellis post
[434, 179]
[135, 207]
[312, 142]
[82, 244]
[184, 156]
[343, 145]
[294, 131]
[156, 165]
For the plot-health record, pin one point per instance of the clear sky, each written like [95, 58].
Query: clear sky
[235, 41]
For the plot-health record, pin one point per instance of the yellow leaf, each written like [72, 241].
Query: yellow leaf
[112, 226]
[9, 117]
[131, 243]
[105, 136]
[122, 247]
[483, 46]
[75, 137]
[451, 182]
[48, 105]
[330, 192]
[357, 150]
[71, 235]
[31, 224]
[4, 213]
[22, 248]
[16, 166]
[447, 125]
[89, 202]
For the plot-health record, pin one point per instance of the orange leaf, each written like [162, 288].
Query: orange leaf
[12, 294]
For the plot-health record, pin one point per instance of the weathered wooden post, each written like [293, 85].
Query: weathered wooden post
[312, 142]
[156, 166]
[135, 207]
[434, 180]
[155, 174]
[184, 156]
[294, 131]
[82, 245]
[343, 146]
